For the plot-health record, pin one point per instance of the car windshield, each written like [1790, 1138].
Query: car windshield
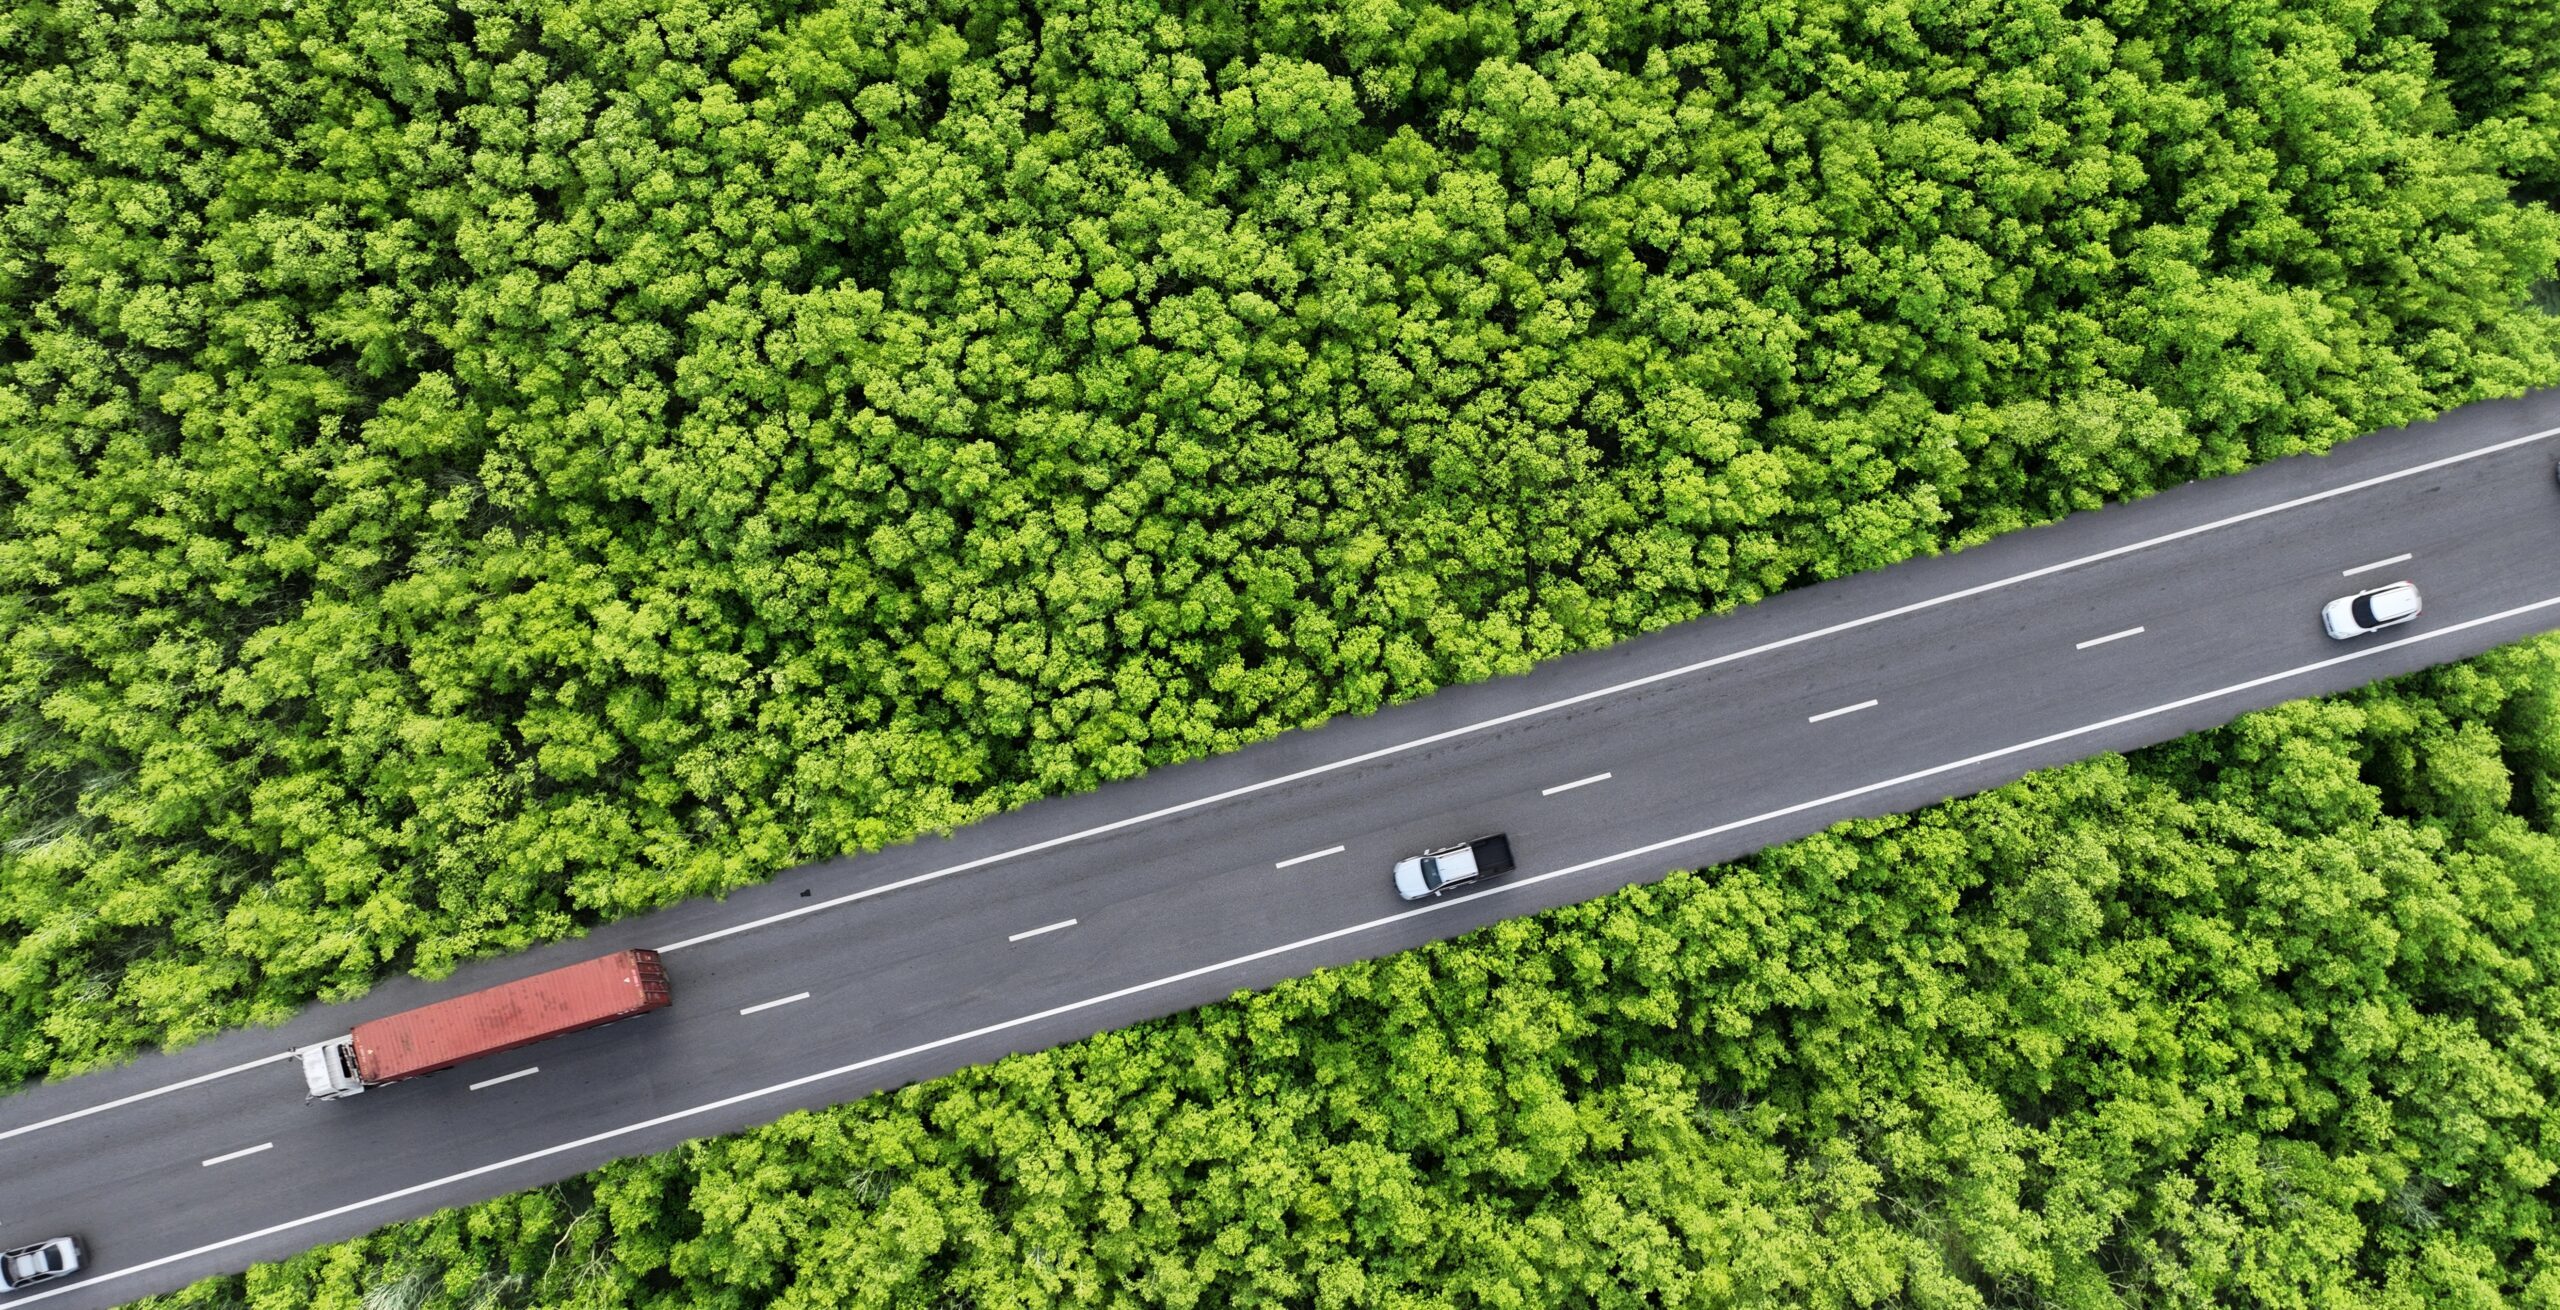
[1430, 872]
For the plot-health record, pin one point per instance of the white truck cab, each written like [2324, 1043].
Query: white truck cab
[52, 1258]
[329, 1069]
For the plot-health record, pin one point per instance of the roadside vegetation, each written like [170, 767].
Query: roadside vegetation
[472, 471]
[2259, 1017]
[469, 471]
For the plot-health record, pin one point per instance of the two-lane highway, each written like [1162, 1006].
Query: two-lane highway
[1882, 692]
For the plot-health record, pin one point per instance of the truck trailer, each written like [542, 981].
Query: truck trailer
[415, 1043]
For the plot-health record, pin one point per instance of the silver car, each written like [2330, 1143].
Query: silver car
[53, 1258]
[2365, 611]
[1434, 872]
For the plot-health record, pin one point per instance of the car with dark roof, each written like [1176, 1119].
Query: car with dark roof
[2366, 611]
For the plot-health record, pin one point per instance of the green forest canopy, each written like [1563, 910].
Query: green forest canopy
[472, 471]
[2260, 1017]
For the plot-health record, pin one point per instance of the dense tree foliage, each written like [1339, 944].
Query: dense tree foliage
[2500, 61]
[475, 469]
[2260, 1017]
[470, 470]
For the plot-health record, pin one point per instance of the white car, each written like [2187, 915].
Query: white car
[1434, 872]
[43, 1262]
[2365, 611]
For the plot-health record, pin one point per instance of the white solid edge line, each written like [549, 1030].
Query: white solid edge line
[2377, 564]
[2112, 636]
[1485, 724]
[1845, 709]
[1311, 855]
[1302, 943]
[225, 1159]
[1578, 782]
[767, 1005]
[1611, 690]
[1062, 923]
[526, 1072]
[121, 1101]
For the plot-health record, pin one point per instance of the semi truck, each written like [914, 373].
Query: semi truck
[1436, 871]
[415, 1043]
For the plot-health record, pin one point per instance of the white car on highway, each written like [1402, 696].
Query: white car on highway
[56, 1257]
[2365, 611]
[1434, 872]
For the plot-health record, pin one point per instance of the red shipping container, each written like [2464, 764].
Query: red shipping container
[502, 1018]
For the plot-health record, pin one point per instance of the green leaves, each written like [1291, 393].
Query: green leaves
[471, 473]
[2107, 1035]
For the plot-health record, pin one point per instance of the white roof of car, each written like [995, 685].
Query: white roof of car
[2397, 601]
[25, 1266]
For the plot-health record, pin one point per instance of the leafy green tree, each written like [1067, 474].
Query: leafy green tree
[474, 471]
[2223, 1022]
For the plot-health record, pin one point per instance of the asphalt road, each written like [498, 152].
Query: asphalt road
[2111, 630]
